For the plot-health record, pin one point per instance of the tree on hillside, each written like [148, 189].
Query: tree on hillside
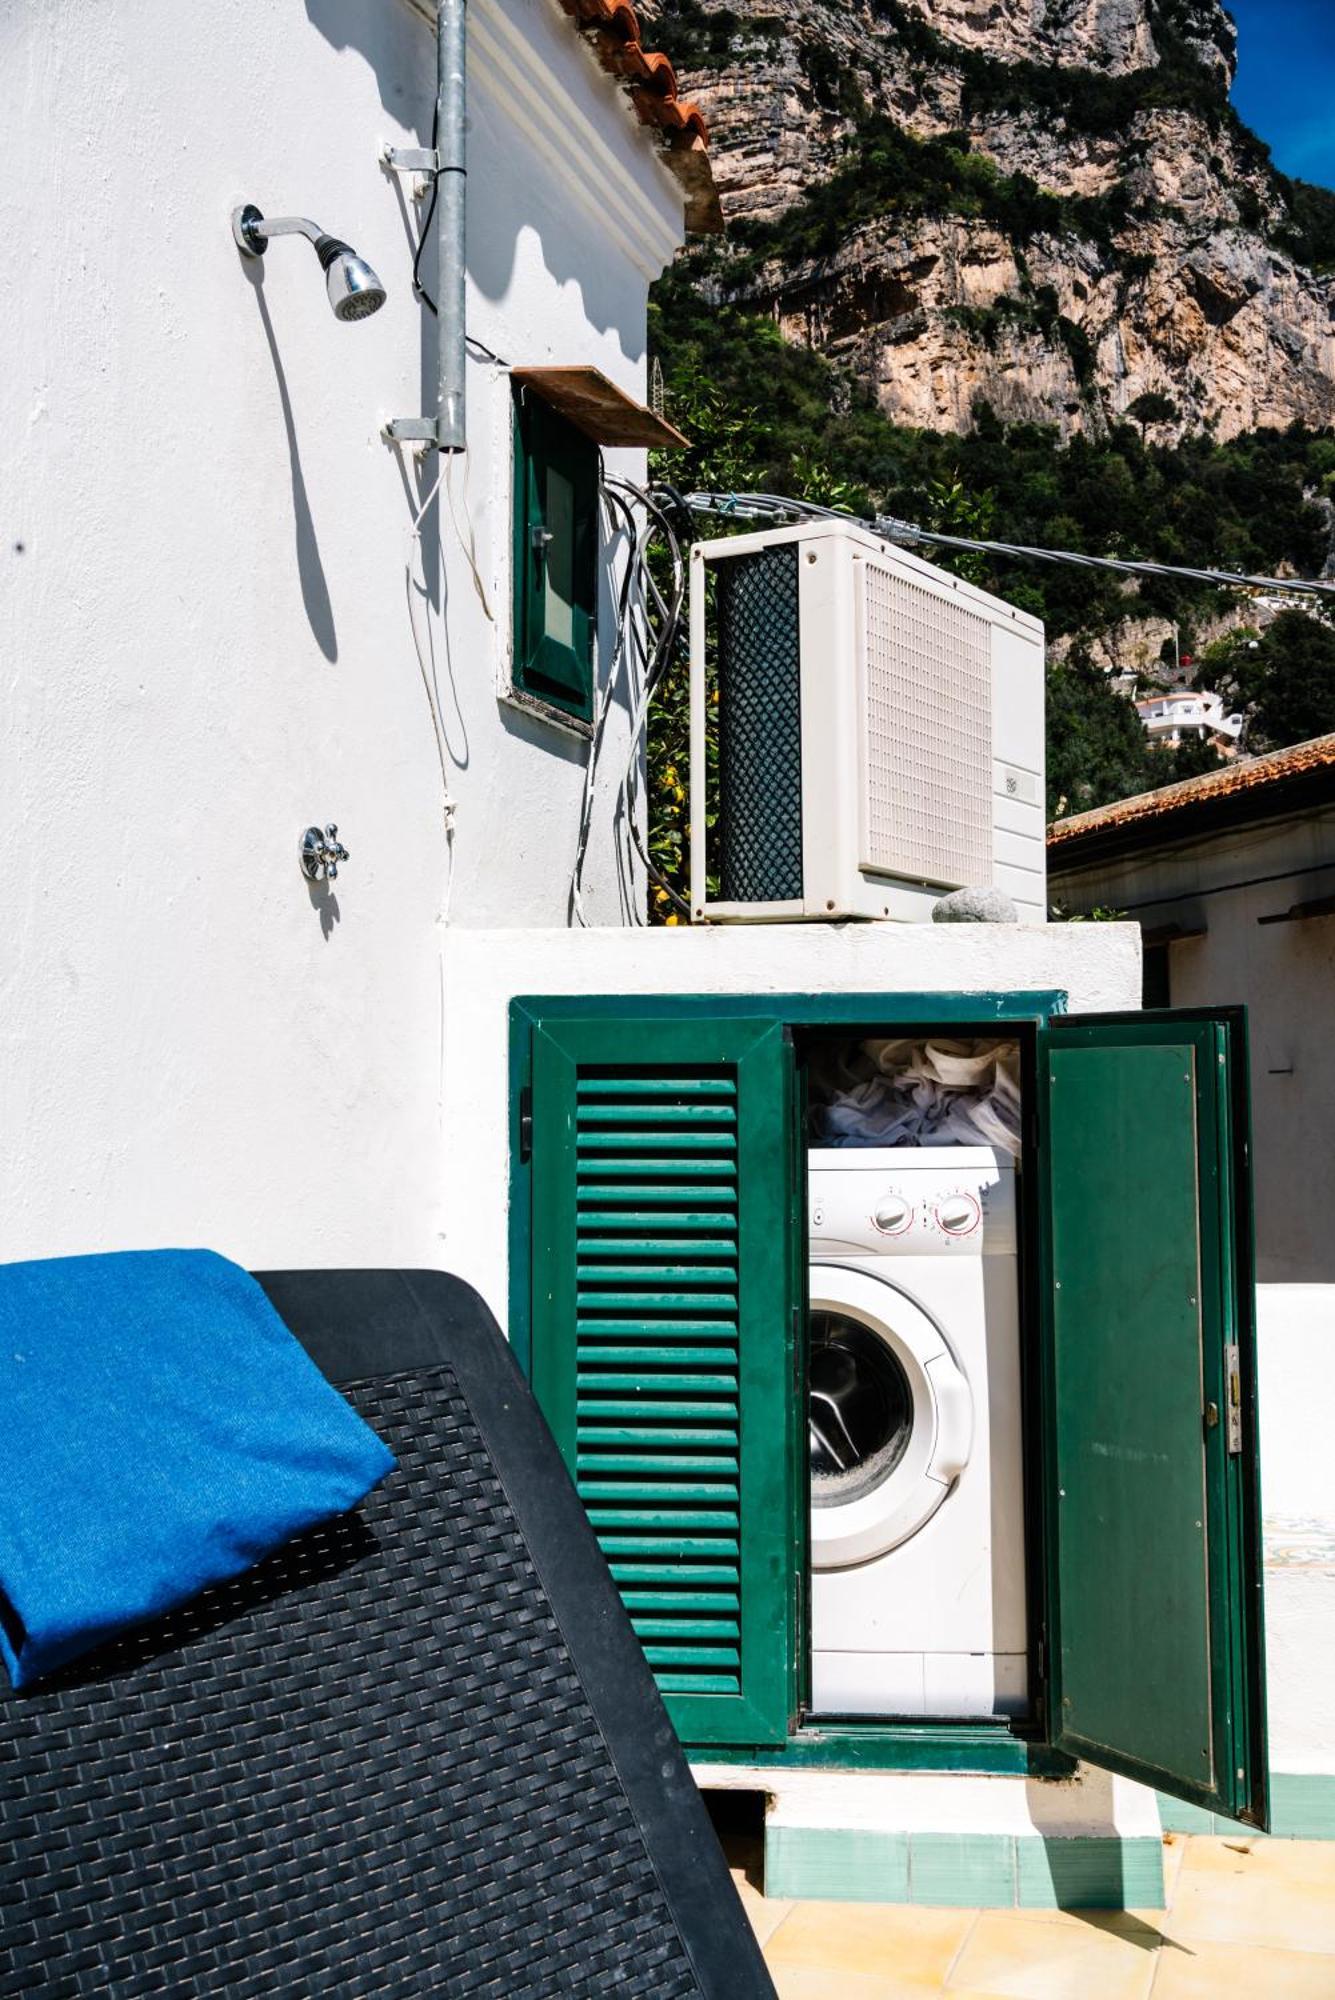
[1297, 697]
[1152, 408]
[1285, 680]
[1097, 750]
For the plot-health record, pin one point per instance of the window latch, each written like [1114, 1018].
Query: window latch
[540, 540]
[1233, 1392]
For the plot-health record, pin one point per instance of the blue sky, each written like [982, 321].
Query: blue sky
[1286, 81]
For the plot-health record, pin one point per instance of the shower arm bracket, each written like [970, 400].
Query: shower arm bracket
[411, 159]
[411, 430]
[424, 160]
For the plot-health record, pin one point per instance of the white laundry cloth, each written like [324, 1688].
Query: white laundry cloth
[906, 1093]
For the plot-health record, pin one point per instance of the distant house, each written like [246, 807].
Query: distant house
[1169, 719]
[1231, 877]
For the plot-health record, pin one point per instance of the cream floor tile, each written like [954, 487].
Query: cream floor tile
[764, 1913]
[1242, 1972]
[1279, 1893]
[1019, 1955]
[805, 1982]
[764, 1917]
[1140, 1927]
[1174, 1852]
[913, 1947]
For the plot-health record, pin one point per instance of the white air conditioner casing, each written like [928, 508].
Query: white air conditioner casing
[880, 731]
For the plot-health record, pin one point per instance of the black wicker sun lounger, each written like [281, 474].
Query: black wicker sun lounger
[418, 1751]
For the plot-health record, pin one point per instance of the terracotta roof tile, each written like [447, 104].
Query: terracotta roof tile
[1234, 781]
[613, 30]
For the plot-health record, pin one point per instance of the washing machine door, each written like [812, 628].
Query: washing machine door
[890, 1416]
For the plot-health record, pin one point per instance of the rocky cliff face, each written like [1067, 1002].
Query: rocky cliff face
[1170, 268]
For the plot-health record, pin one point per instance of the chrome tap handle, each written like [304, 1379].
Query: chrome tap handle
[320, 853]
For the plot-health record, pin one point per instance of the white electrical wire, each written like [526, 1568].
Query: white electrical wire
[647, 627]
[591, 763]
[775, 508]
[426, 669]
[467, 545]
[653, 610]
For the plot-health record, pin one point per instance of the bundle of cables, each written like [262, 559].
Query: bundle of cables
[651, 600]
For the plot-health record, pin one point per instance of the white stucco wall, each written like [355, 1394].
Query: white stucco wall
[1296, 1340]
[203, 626]
[1283, 973]
[1096, 965]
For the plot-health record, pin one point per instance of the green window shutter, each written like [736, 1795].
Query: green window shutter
[555, 557]
[1150, 1394]
[663, 1327]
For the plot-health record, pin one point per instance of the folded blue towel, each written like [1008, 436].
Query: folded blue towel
[161, 1430]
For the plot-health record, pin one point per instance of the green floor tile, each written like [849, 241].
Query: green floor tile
[836, 1864]
[964, 1870]
[1090, 1873]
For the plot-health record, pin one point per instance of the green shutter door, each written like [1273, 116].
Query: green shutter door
[1154, 1577]
[663, 1329]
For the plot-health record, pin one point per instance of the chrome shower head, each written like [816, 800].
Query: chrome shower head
[354, 290]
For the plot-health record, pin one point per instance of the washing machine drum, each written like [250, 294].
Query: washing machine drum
[890, 1415]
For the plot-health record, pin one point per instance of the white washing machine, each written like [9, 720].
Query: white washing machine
[917, 1520]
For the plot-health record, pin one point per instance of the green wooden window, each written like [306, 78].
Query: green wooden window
[663, 1342]
[555, 557]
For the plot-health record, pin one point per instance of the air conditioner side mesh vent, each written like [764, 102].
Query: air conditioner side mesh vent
[927, 775]
[758, 840]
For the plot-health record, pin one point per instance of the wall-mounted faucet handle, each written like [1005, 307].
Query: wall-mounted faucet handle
[321, 853]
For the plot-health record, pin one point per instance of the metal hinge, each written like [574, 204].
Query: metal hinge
[526, 1123]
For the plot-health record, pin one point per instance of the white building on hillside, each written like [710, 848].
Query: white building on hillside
[1170, 719]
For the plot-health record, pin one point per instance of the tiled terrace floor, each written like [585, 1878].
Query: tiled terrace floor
[1246, 1920]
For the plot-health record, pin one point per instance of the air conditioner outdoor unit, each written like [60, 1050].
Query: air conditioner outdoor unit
[879, 732]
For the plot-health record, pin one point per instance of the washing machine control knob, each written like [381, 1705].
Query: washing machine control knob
[893, 1214]
[957, 1214]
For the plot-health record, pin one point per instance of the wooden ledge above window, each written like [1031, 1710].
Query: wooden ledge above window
[598, 408]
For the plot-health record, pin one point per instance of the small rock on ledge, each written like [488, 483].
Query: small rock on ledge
[975, 906]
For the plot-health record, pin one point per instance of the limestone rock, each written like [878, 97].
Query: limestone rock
[975, 906]
[1190, 298]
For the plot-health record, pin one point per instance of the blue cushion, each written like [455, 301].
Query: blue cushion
[162, 1431]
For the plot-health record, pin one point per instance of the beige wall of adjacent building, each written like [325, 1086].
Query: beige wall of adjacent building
[1284, 973]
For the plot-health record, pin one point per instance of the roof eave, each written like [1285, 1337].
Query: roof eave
[611, 30]
[1190, 820]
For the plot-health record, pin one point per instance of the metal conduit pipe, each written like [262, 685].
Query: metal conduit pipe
[451, 220]
[447, 163]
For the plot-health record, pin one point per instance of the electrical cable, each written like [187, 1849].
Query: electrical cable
[448, 803]
[420, 291]
[601, 710]
[668, 615]
[467, 545]
[424, 231]
[647, 629]
[773, 507]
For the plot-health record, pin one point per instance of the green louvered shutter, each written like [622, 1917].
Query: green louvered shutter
[663, 1322]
